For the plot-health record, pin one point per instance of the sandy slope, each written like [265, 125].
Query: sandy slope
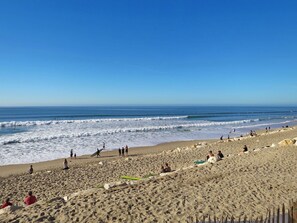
[249, 184]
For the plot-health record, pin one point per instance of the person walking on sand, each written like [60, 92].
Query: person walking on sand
[65, 165]
[71, 153]
[30, 171]
[30, 199]
[98, 153]
[123, 151]
[127, 149]
[120, 152]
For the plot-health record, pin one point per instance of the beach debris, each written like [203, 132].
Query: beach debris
[128, 158]
[130, 178]
[168, 173]
[108, 186]
[273, 145]
[287, 142]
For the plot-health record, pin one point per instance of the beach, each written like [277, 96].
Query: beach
[247, 184]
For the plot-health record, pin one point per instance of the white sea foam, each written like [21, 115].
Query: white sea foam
[46, 140]
[56, 122]
[29, 139]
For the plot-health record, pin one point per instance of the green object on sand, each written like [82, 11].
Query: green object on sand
[199, 161]
[130, 178]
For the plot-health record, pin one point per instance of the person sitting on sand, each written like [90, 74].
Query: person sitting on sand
[6, 203]
[245, 149]
[30, 171]
[166, 168]
[65, 165]
[220, 155]
[210, 154]
[30, 199]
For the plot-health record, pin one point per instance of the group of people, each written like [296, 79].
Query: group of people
[65, 167]
[28, 200]
[72, 154]
[124, 151]
[218, 157]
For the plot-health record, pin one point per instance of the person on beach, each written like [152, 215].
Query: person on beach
[30, 199]
[220, 155]
[123, 151]
[65, 165]
[166, 168]
[6, 203]
[120, 152]
[98, 152]
[221, 138]
[210, 154]
[74, 155]
[71, 153]
[30, 171]
[126, 149]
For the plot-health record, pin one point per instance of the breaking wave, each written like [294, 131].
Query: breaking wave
[120, 130]
[56, 122]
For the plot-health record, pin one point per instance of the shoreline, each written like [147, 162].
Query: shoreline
[18, 169]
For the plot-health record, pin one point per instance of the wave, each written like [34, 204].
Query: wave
[121, 130]
[56, 122]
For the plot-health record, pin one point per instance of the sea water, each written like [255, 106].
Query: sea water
[32, 134]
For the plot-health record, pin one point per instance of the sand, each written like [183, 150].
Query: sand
[247, 184]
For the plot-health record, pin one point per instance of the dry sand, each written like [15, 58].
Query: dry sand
[240, 184]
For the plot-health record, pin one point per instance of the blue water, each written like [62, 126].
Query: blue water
[42, 133]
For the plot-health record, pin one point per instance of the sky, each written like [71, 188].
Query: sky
[156, 52]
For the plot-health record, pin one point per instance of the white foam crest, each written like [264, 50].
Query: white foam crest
[56, 122]
[26, 139]
[265, 124]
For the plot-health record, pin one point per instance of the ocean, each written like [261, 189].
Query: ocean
[33, 134]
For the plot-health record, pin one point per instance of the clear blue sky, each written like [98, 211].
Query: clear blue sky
[224, 52]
